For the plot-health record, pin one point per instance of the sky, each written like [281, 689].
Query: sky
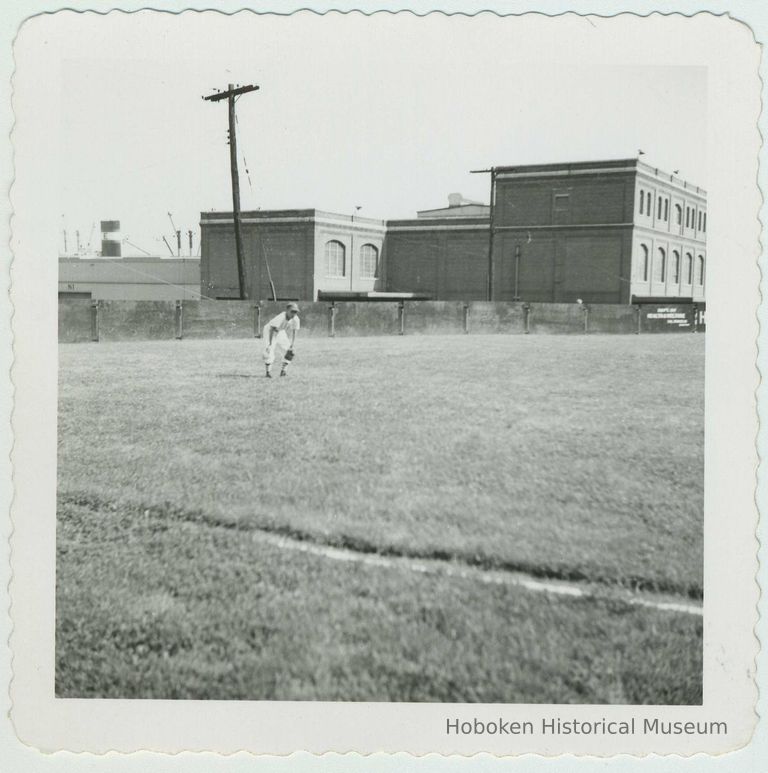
[389, 113]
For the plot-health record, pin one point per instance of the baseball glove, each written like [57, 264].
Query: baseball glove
[289, 355]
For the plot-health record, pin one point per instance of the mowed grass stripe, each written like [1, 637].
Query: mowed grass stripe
[149, 607]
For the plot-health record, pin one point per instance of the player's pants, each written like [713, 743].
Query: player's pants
[280, 345]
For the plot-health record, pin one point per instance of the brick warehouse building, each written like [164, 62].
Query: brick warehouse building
[307, 251]
[603, 232]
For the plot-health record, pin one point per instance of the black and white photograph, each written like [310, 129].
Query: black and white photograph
[381, 350]
[454, 491]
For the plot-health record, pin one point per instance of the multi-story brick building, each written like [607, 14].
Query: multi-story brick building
[603, 232]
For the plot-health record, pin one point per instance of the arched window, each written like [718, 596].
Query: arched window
[676, 267]
[688, 268]
[369, 261]
[666, 210]
[644, 262]
[705, 222]
[699, 220]
[649, 202]
[335, 255]
[660, 208]
[642, 200]
[662, 265]
[678, 214]
[700, 262]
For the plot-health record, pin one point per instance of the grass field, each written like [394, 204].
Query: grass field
[567, 457]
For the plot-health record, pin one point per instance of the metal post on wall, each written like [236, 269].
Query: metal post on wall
[179, 320]
[585, 309]
[94, 320]
[257, 321]
[401, 315]
[527, 317]
[332, 320]
[466, 318]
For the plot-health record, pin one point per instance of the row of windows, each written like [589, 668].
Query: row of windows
[661, 266]
[336, 260]
[646, 207]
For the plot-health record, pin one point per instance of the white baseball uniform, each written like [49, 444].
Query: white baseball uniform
[282, 339]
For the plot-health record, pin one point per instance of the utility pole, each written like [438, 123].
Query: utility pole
[178, 235]
[230, 94]
[492, 172]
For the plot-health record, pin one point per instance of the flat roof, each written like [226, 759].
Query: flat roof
[308, 214]
[635, 164]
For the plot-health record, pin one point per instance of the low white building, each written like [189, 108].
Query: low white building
[130, 279]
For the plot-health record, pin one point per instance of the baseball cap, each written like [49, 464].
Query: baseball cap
[293, 307]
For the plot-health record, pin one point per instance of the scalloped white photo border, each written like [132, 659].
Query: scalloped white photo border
[727, 48]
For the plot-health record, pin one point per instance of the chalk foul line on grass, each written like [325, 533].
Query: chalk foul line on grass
[365, 553]
[486, 576]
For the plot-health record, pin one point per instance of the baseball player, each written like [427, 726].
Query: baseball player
[280, 335]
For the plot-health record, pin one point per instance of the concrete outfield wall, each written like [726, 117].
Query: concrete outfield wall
[367, 319]
[136, 320]
[75, 321]
[556, 318]
[434, 317]
[147, 320]
[218, 319]
[612, 319]
[495, 317]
